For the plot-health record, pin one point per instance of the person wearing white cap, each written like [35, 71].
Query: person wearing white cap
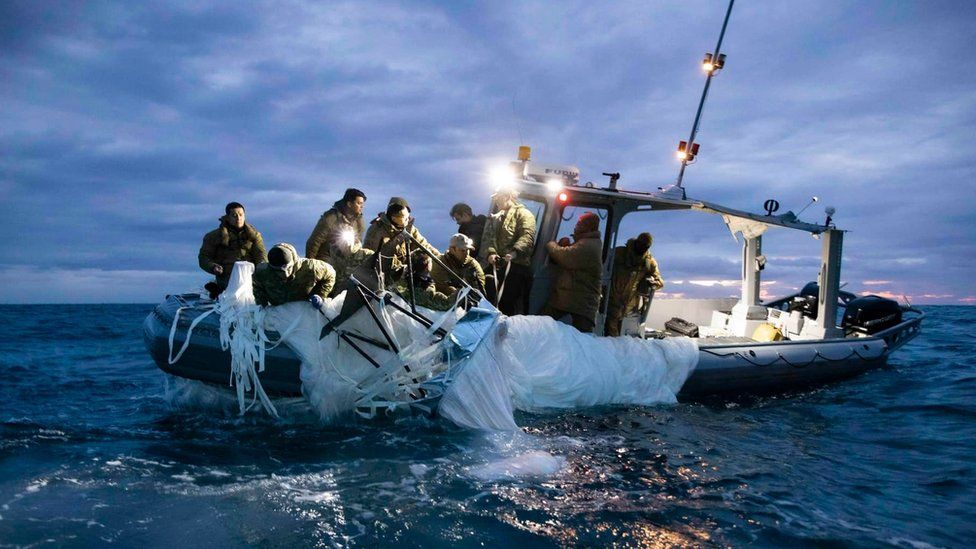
[459, 260]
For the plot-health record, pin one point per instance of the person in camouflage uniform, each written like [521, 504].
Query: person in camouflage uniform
[458, 259]
[338, 235]
[425, 292]
[286, 277]
[509, 239]
[234, 240]
[384, 236]
[635, 273]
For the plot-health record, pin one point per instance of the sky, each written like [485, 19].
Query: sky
[125, 128]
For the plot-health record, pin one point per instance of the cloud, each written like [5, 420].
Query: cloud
[125, 127]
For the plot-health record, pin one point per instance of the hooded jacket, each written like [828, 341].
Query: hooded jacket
[381, 237]
[577, 288]
[326, 242]
[226, 245]
[630, 271]
[304, 278]
[469, 270]
[510, 232]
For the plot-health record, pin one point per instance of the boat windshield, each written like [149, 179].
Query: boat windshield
[538, 209]
[572, 214]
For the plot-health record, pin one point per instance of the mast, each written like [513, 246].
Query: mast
[712, 63]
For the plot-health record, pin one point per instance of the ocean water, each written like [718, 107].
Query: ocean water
[95, 449]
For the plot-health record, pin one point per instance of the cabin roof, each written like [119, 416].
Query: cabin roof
[750, 224]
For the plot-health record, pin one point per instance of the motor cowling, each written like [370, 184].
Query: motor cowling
[871, 314]
[806, 300]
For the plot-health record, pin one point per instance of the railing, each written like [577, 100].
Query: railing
[902, 333]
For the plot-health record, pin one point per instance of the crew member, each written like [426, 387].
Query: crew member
[286, 277]
[577, 288]
[458, 259]
[337, 237]
[425, 292]
[234, 240]
[385, 236]
[509, 239]
[470, 225]
[635, 274]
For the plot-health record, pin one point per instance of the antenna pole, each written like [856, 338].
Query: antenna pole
[701, 104]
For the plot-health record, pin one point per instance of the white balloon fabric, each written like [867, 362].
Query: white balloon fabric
[476, 378]
[535, 363]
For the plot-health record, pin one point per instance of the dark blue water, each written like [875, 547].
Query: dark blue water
[91, 452]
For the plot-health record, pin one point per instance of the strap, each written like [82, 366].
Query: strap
[189, 331]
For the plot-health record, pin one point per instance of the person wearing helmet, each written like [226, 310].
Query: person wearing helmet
[234, 240]
[635, 275]
[287, 277]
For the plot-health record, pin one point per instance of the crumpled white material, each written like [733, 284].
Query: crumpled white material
[336, 379]
[527, 363]
[241, 334]
[535, 362]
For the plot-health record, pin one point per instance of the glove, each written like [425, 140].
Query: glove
[317, 302]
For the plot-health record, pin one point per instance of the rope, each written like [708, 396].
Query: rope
[245, 351]
[239, 333]
[189, 331]
[501, 289]
[781, 358]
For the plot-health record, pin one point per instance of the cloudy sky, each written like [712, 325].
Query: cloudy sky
[125, 127]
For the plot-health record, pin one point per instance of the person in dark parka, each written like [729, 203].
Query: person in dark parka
[470, 225]
[234, 240]
[577, 288]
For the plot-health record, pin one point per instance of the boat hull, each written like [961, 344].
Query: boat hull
[204, 360]
[723, 369]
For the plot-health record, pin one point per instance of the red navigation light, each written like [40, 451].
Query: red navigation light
[682, 150]
[563, 197]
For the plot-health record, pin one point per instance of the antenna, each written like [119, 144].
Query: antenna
[518, 122]
[812, 200]
[712, 63]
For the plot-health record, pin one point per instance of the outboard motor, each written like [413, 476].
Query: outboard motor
[871, 314]
[806, 301]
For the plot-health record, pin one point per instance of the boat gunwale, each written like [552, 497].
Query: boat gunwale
[882, 335]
